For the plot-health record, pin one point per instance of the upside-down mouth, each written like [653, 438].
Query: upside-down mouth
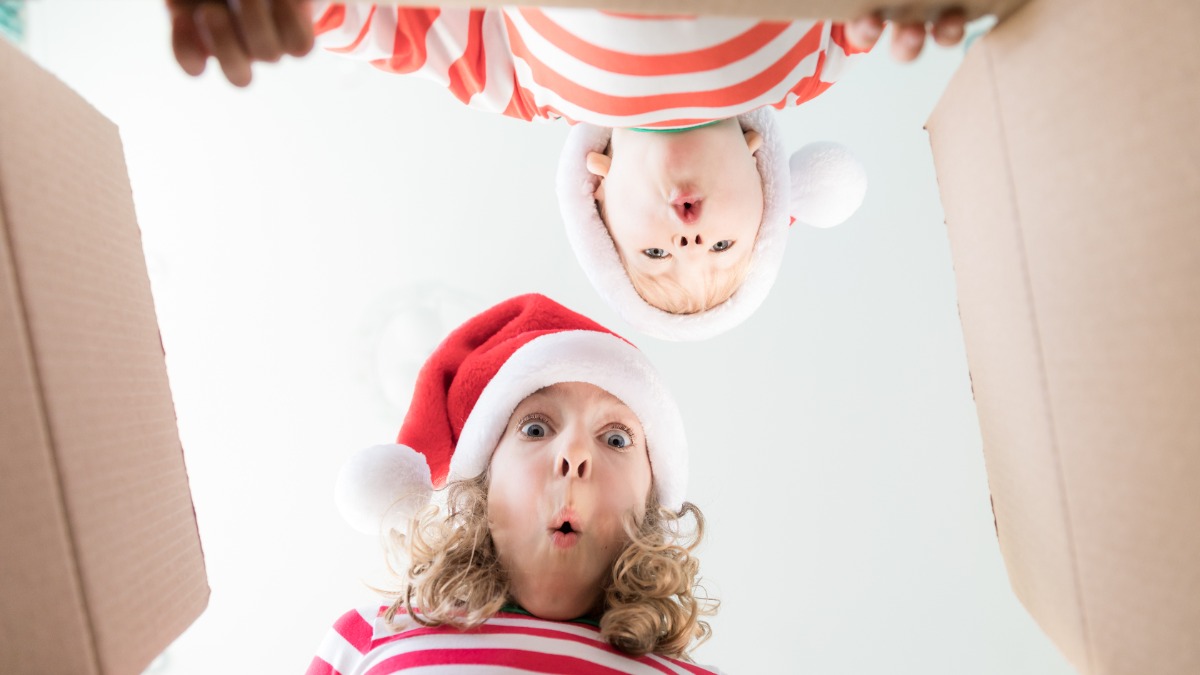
[687, 207]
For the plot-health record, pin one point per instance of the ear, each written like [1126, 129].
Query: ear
[754, 140]
[598, 163]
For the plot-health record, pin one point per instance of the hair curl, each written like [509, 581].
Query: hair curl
[449, 569]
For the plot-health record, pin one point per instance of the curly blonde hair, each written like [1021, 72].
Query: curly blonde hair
[653, 603]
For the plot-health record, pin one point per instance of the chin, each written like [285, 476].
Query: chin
[558, 608]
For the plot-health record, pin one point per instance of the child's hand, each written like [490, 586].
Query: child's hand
[238, 33]
[909, 37]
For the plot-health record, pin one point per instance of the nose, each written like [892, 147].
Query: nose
[683, 241]
[687, 210]
[574, 460]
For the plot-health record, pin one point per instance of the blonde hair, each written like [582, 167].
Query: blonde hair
[667, 294]
[451, 575]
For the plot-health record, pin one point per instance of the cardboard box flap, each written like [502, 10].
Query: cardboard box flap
[47, 628]
[1067, 160]
[916, 10]
[1004, 350]
[79, 291]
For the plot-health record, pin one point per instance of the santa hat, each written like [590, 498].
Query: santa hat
[822, 186]
[470, 386]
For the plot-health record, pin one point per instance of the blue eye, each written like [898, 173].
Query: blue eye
[723, 245]
[655, 253]
[616, 438]
[533, 430]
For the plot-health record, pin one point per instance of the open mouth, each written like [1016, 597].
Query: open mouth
[567, 533]
[687, 210]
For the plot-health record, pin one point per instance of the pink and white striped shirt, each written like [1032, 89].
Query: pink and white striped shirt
[361, 643]
[605, 68]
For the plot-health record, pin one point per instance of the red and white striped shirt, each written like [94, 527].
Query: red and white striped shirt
[361, 643]
[605, 68]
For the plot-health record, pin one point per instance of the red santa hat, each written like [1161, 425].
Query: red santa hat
[822, 185]
[470, 386]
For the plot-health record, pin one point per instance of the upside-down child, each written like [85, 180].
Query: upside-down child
[677, 198]
[560, 548]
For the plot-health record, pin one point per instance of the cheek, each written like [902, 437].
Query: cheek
[629, 210]
[748, 204]
[508, 490]
[505, 518]
[506, 501]
[627, 493]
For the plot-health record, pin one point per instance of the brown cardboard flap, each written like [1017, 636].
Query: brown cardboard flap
[1066, 153]
[43, 626]
[1004, 350]
[98, 422]
[916, 10]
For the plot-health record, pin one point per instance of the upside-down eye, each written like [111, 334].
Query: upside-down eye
[615, 438]
[723, 245]
[655, 253]
[534, 429]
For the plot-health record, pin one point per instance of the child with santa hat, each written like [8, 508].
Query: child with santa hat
[675, 187]
[563, 461]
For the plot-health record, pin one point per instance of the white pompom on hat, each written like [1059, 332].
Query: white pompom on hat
[822, 185]
[468, 389]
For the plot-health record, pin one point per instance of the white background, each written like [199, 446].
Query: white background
[292, 228]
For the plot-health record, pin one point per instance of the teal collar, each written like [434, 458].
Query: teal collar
[517, 609]
[675, 130]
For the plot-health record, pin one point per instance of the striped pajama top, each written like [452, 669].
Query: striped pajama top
[604, 68]
[361, 643]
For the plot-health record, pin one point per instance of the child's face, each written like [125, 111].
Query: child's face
[684, 208]
[570, 452]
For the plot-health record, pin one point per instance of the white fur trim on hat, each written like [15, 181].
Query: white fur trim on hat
[601, 263]
[383, 486]
[587, 356]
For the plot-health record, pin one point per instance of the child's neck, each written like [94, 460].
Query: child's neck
[514, 608]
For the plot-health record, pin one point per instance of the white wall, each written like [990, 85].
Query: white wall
[835, 446]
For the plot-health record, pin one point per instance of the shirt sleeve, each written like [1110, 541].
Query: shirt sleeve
[464, 50]
[840, 52]
[346, 643]
[836, 57]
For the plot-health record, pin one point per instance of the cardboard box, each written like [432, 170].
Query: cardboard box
[101, 558]
[1068, 159]
[911, 10]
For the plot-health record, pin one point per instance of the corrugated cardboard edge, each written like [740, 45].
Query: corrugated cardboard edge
[43, 610]
[917, 10]
[1004, 350]
[99, 363]
[1061, 118]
